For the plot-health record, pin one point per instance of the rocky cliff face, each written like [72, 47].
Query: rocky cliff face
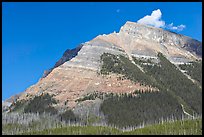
[76, 73]
[145, 41]
[68, 55]
[136, 40]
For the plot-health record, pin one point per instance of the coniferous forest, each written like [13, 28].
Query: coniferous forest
[178, 98]
[175, 89]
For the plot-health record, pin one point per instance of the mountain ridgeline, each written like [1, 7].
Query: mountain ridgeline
[140, 75]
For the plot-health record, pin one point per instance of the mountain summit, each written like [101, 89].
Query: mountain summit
[136, 40]
[138, 59]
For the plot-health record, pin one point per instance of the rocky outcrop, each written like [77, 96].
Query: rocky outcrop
[5, 105]
[89, 56]
[75, 74]
[145, 41]
[133, 39]
[68, 55]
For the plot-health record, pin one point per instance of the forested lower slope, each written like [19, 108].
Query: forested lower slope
[177, 94]
[177, 97]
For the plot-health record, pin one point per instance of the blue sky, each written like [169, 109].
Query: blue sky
[35, 35]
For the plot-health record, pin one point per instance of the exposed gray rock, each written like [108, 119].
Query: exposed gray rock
[89, 56]
[68, 55]
[133, 39]
[161, 36]
[5, 105]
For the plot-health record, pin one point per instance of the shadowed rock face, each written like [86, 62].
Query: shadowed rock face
[89, 56]
[75, 74]
[68, 55]
[194, 46]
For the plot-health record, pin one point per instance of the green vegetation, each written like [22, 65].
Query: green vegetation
[77, 130]
[68, 116]
[186, 127]
[194, 69]
[141, 61]
[18, 106]
[10, 128]
[91, 96]
[169, 77]
[148, 107]
[94, 95]
[41, 104]
[121, 110]
[174, 89]
[121, 65]
[17, 123]
[91, 119]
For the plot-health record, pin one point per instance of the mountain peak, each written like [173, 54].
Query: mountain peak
[80, 65]
[162, 38]
[130, 24]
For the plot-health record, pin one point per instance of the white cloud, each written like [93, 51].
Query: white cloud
[155, 20]
[177, 28]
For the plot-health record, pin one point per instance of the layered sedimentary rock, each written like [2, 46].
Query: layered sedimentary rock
[76, 73]
[136, 40]
[145, 41]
